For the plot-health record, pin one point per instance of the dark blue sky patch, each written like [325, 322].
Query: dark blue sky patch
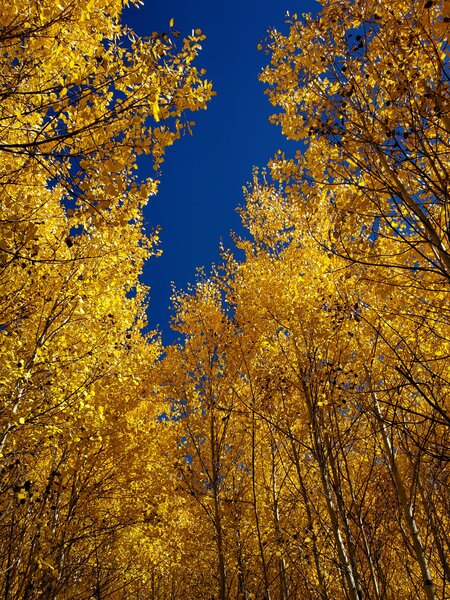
[203, 174]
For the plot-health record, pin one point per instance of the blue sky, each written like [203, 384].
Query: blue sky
[203, 174]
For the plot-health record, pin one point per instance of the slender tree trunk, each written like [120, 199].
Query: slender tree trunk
[342, 552]
[9, 563]
[320, 451]
[405, 504]
[217, 512]
[242, 587]
[284, 590]
[431, 511]
[368, 553]
[337, 488]
[255, 510]
[306, 503]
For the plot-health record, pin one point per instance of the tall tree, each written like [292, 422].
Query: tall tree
[82, 96]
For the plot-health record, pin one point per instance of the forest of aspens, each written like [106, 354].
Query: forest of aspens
[294, 444]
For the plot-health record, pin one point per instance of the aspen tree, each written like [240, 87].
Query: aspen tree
[82, 97]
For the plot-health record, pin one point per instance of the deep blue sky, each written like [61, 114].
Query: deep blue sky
[203, 174]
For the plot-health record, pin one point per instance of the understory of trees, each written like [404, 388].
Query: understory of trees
[295, 443]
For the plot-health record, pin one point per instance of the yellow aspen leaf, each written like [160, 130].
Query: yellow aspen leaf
[155, 107]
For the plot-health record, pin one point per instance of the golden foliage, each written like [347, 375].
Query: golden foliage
[295, 444]
[314, 378]
[82, 96]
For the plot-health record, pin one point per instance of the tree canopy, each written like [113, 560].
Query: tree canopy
[295, 442]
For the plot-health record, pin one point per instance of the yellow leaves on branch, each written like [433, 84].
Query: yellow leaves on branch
[156, 106]
[299, 432]
[82, 97]
[311, 391]
[369, 100]
[102, 91]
